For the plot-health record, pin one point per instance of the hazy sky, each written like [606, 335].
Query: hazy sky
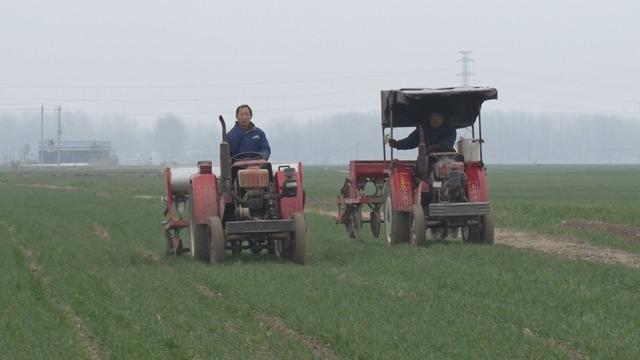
[304, 60]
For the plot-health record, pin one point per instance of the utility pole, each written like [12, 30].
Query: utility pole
[41, 134]
[59, 133]
[465, 73]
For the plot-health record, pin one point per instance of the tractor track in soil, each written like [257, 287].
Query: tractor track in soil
[564, 247]
[270, 322]
[80, 328]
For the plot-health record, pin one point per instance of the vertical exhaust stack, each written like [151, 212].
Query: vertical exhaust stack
[225, 159]
[422, 155]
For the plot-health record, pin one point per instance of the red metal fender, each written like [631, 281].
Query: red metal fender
[290, 205]
[402, 188]
[204, 192]
[477, 188]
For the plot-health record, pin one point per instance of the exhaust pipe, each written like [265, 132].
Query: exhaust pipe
[422, 155]
[225, 159]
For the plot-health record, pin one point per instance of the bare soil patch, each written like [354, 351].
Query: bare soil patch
[101, 232]
[207, 292]
[51, 187]
[627, 232]
[145, 197]
[150, 255]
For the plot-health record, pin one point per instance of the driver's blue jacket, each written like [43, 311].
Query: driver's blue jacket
[251, 140]
[443, 137]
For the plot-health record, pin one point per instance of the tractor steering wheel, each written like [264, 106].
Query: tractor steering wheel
[248, 155]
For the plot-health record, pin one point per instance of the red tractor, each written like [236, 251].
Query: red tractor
[246, 203]
[444, 190]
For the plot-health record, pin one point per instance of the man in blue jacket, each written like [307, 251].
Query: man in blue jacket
[436, 135]
[245, 136]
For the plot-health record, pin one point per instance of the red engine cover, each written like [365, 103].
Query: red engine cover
[253, 178]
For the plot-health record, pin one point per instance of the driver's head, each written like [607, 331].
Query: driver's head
[244, 115]
[436, 120]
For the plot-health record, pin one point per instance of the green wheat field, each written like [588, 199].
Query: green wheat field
[84, 275]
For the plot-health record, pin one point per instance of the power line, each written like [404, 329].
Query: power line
[209, 99]
[228, 84]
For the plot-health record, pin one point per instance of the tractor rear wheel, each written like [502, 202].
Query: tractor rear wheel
[396, 223]
[374, 221]
[298, 243]
[482, 233]
[418, 232]
[488, 230]
[217, 240]
[198, 235]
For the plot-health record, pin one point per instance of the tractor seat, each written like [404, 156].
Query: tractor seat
[253, 177]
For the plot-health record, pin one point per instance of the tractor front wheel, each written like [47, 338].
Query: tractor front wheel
[298, 243]
[217, 240]
[418, 233]
[198, 235]
[396, 223]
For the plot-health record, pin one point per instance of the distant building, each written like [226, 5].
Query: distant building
[76, 152]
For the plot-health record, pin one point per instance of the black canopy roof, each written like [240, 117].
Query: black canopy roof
[460, 106]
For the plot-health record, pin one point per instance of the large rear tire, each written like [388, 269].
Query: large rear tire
[298, 244]
[483, 233]
[198, 235]
[418, 232]
[396, 223]
[488, 230]
[217, 240]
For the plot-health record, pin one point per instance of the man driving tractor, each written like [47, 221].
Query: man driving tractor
[436, 134]
[245, 137]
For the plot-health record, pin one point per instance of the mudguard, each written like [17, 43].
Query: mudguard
[401, 180]
[204, 194]
[477, 188]
[290, 205]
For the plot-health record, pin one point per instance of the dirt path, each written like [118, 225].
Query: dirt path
[627, 232]
[565, 247]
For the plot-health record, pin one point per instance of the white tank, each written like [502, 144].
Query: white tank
[469, 148]
[180, 177]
